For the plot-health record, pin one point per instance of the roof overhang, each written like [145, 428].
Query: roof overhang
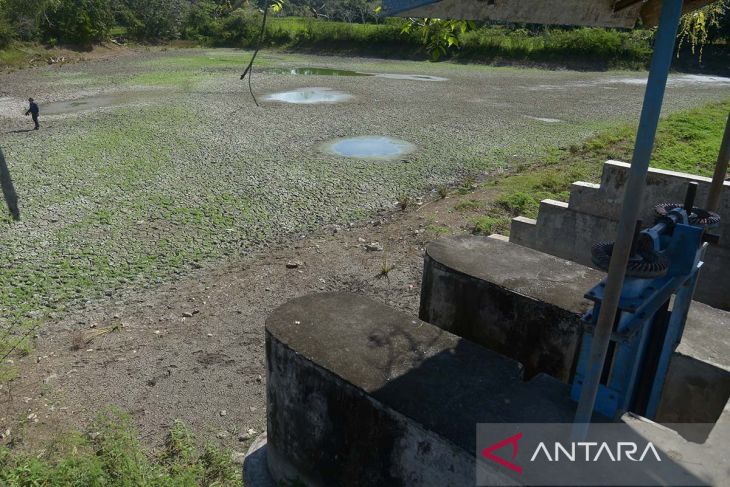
[595, 13]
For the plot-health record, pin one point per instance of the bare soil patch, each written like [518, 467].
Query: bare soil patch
[193, 349]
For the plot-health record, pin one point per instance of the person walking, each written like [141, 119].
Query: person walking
[33, 111]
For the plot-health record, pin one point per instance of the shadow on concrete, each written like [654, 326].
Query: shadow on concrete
[6, 182]
[455, 390]
[361, 394]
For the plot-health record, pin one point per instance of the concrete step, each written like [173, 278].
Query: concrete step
[568, 230]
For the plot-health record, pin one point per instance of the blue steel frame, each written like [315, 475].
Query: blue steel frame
[653, 97]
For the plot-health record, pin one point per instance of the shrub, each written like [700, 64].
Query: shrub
[201, 22]
[6, 32]
[152, 20]
[241, 28]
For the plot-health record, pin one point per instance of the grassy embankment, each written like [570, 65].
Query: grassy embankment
[686, 142]
[19, 55]
[595, 47]
[586, 47]
[582, 48]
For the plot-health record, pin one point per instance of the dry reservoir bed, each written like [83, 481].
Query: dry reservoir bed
[150, 166]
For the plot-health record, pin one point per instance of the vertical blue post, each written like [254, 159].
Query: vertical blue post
[660, 63]
[675, 328]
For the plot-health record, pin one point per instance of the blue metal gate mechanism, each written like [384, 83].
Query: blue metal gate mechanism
[662, 272]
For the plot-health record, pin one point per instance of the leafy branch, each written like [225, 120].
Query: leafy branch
[438, 36]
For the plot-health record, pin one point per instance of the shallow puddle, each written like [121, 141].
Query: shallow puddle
[316, 72]
[544, 119]
[609, 83]
[309, 96]
[678, 80]
[93, 102]
[370, 147]
[344, 72]
[411, 77]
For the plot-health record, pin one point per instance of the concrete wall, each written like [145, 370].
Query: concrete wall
[568, 230]
[323, 431]
[528, 305]
[360, 394]
[476, 299]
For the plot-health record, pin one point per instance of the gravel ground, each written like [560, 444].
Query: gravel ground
[176, 168]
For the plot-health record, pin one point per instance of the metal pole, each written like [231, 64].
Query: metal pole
[660, 63]
[718, 180]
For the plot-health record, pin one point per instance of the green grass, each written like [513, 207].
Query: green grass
[177, 79]
[468, 205]
[438, 230]
[686, 141]
[517, 203]
[488, 224]
[12, 57]
[205, 59]
[110, 454]
[606, 47]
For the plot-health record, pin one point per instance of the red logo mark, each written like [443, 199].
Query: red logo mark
[487, 452]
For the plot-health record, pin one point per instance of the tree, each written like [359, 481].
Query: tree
[201, 20]
[26, 17]
[151, 20]
[6, 28]
[80, 22]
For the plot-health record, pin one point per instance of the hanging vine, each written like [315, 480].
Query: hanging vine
[695, 26]
[275, 7]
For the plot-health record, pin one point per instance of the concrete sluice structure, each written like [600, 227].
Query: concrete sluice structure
[592, 212]
[361, 394]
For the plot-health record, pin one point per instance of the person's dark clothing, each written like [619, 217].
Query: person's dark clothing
[34, 111]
